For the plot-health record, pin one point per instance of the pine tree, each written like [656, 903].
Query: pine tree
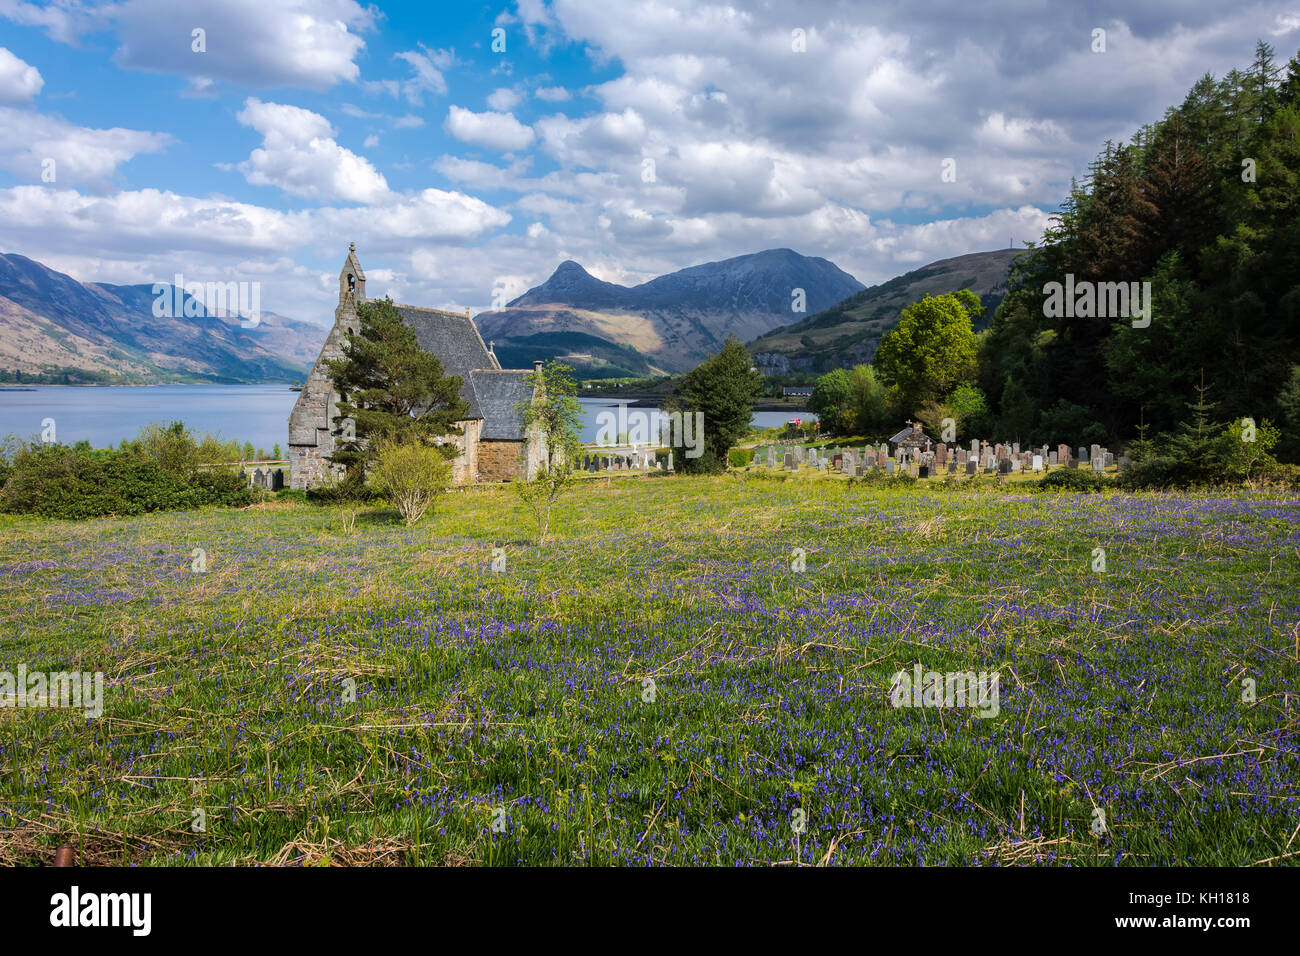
[723, 389]
[391, 390]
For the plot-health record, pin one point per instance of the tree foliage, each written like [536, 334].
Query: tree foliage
[391, 390]
[932, 349]
[723, 388]
[1205, 205]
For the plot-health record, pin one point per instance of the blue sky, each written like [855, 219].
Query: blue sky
[637, 137]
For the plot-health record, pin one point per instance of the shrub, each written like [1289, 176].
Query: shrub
[1072, 479]
[61, 483]
[740, 457]
[351, 490]
[226, 488]
[411, 475]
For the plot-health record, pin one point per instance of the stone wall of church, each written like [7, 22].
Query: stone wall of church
[500, 460]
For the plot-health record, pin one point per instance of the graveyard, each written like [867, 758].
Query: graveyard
[923, 459]
[691, 671]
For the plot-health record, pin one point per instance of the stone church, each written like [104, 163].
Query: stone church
[494, 444]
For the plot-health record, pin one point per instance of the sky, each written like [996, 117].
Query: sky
[467, 149]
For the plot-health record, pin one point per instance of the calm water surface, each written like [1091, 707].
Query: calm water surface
[256, 413]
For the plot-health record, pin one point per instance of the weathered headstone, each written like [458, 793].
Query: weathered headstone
[1052, 460]
[1098, 465]
[1038, 463]
[889, 466]
[923, 471]
[1004, 466]
[790, 462]
[970, 467]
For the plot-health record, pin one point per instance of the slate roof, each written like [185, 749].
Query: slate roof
[499, 393]
[454, 338]
[491, 392]
[910, 437]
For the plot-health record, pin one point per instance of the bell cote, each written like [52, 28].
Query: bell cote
[352, 279]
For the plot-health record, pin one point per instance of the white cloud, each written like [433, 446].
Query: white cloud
[499, 131]
[19, 81]
[552, 94]
[304, 43]
[503, 100]
[165, 232]
[427, 68]
[299, 155]
[79, 155]
[1285, 23]
[594, 140]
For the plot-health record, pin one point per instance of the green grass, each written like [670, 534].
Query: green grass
[528, 691]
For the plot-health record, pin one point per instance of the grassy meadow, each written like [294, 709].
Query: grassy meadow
[656, 686]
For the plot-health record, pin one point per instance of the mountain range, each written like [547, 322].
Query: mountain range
[849, 332]
[56, 329]
[666, 325]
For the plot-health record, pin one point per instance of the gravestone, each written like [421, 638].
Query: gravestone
[889, 466]
[970, 467]
[1016, 465]
[914, 470]
[1038, 463]
[1063, 455]
[923, 471]
[1098, 465]
[790, 463]
[1004, 466]
[1094, 452]
[838, 462]
[1125, 463]
[1110, 459]
[1052, 460]
[941, 454]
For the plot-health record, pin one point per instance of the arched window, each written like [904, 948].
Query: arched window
[352, 282]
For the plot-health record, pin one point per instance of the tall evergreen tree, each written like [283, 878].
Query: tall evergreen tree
[390, 389]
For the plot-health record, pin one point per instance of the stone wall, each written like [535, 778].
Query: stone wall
[500, 460]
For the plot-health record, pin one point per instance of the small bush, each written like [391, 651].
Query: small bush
[1073, 479]
[226, 488]
[412, 476]
[740, 457]
[349, 491]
